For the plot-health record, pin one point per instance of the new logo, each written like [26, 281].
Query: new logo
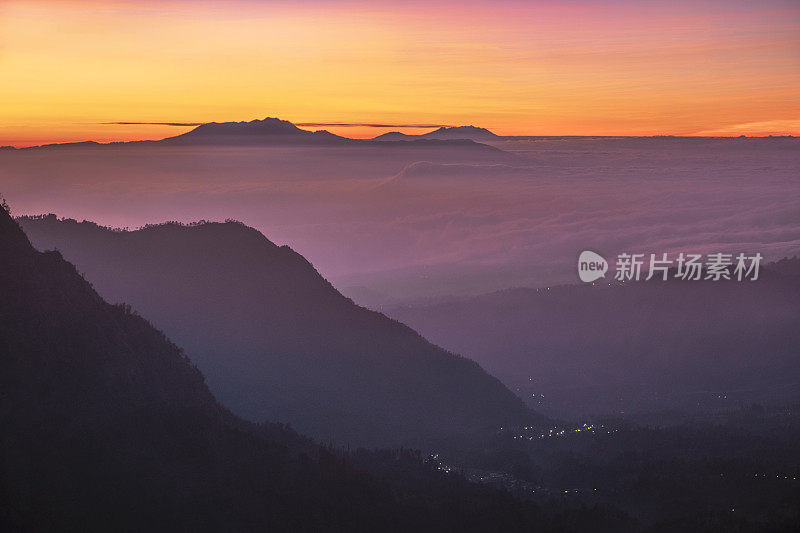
[591, 266]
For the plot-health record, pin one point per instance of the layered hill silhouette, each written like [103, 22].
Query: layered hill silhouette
[667, 346]
[107, 426]
[105, 422]
[277, 342]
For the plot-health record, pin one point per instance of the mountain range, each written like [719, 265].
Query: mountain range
[272, 131]
[276, 341]
[108, 426]
[266, 131]
[276, 132]
[104, 418]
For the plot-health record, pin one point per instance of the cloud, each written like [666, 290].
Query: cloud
[770, 127]
[127, 123]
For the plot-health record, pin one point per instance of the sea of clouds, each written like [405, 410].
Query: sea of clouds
[391, 224]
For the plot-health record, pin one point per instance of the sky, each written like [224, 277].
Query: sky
[75, 70]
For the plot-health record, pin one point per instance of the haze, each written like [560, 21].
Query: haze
[394, 224]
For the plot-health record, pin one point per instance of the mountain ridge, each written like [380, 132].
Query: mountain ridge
[107, 426]
[269, 131]
[472, 133]
[296, 349]
[277, 131]
[641, 346]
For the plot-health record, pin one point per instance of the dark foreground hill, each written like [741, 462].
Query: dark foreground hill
[277, 342]
[106, 426]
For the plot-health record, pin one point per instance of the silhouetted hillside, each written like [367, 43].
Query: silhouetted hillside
[676, 345]
[106, 426]
[278, 342]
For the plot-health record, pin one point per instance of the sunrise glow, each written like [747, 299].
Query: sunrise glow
[70, 68]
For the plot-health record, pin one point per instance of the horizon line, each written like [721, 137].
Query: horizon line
[701, 134]
[512, 137]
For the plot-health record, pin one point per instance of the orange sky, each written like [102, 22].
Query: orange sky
[541, 68]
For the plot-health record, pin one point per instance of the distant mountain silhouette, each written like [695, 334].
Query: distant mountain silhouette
[471, 133]
[269, 130]
[462, 132]
[276, 132]
[278, 342]
[395, 136]
[646, 346]
[273, 131]
[107, 426]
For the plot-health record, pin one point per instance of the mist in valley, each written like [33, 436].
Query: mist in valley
[407, 223]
